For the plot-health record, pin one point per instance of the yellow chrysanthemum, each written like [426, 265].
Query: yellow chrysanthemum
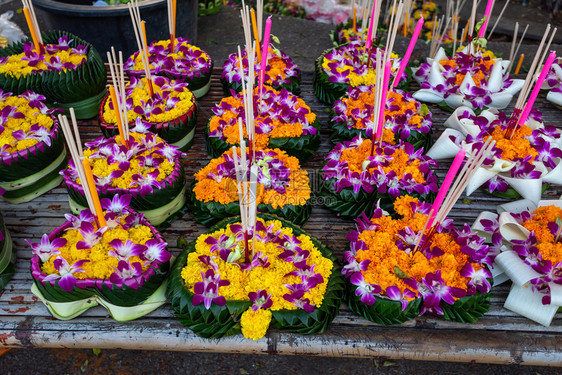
[255, 323]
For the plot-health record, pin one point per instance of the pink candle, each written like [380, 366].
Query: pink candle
[264, 53]
[406, 58]
[370, 32]
[380, 123]
[537, 88]
[487, 15]
[446, 184]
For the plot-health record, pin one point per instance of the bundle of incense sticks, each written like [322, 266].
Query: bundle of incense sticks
[516, 118]
[498, 19]
[82, 166]
[118, 94]
[438, 211]
[514, 51]
[31, 20]
[172, 22]
[139, 28]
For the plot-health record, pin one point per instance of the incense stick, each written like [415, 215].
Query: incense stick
[498, 19]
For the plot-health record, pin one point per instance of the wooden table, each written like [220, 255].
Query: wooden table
[499, 337]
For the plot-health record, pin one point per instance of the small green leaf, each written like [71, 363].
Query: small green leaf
[424, 110]
[182, 243]
[84, 366]
[275, 39]
[466, 201]
[388, 363]
[479, 24]
[96, 351]
[399, 273]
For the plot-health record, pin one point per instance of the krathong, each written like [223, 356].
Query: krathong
[280, 72]
[349, 65]
[283, 188]
[121, 266]
[354, 180]
[516, 167]
[68, 71]
[147, 168]
[392, 280]
[405, 118]
[477, 80]
[292, 281]
[282, 120]
[186, 62]
[32, 148]
[7, 255]
[525, 242]
[171, 112]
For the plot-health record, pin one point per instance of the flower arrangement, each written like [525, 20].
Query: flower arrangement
[280, 72]
[406, 119]
[186, 62]
[284, 188]
[518, 166]
[282, 121]
[32, 148]
[526, 247]
[356, 181]
[69, 72]
[292, 281]
[553, 83]
[121, 266]
[338, 68]
[392, 280]
[171, 112]
[147, 168]
[477, 80]
[7, 255]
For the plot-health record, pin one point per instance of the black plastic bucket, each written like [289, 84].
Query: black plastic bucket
[106, 26]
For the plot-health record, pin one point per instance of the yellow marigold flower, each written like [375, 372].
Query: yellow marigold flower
[255, 323]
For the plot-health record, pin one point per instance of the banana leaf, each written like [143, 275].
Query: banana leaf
[76, 87]
[7, 256]
[220, 321]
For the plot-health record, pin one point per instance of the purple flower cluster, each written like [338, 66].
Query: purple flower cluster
[352, 58]
[185, 61]
[273, 108]
[432, 288]
[272, 173]
[373, 176]
[362, 117]
[546, 140]
[273, 77]
[54, 62]
[150, 152]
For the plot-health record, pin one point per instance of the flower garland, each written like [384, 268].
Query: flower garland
[123, 250]
[529, 157]
[472, 79]
[171, 99]
[185, 62]
[404, 116]
[279, 116]
[25, 121]
[348, 65]
[280, 72]
[58, 57]
[392, 171]
[525, 247]
[382, 264]
[287, 272]
[142, 166]
[281, 184]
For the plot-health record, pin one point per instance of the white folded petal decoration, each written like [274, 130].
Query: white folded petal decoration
[476, 80]
[519, 167]
[527, 251]
[553, 83]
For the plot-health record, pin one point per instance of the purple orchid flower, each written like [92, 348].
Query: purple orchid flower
[45, 249]
[261, 300]
[393, 293]
[364, 289]
[90, 235]
[207, 291]
[67, 281]
[125, 273]
[156, 251]
[478, 279]
[117, 204]
[123, 251]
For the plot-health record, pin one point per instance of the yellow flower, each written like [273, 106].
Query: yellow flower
[255, 323]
